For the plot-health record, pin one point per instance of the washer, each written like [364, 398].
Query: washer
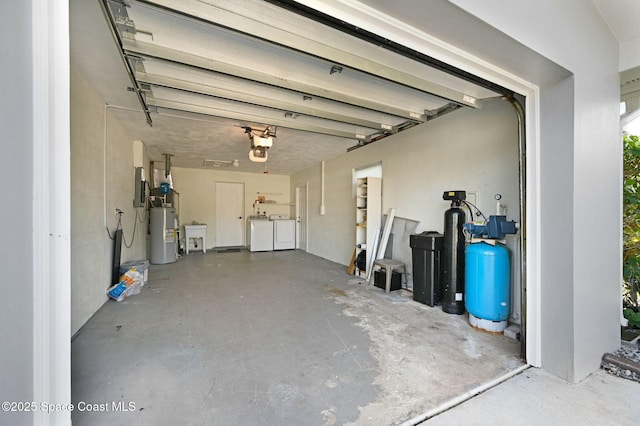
[284, 232]
[259, 233]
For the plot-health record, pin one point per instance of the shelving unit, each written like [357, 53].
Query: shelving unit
[262, 202]
[368, 216]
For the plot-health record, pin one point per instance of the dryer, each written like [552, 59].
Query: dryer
[284, 232]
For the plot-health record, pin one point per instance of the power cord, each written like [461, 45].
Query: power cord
[469, 205]
[119, 226]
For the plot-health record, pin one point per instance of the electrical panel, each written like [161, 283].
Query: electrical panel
[140, 190]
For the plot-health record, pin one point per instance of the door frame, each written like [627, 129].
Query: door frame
[306, 223]
[51, 215]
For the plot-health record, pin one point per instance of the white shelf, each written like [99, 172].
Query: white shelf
[368, 215]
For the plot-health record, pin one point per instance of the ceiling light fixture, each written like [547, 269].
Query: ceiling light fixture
[258, 155]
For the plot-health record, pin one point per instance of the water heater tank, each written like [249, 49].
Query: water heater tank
[487, 285]
[162, 228]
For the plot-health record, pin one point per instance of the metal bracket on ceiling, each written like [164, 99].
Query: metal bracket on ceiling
[137, 59]
[124, 24]
[335, 69]
[433, 114]
[121, 17]
[145, 87]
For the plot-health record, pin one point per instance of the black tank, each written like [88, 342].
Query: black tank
[453, 260]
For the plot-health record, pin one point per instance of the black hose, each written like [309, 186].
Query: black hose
[477, 210]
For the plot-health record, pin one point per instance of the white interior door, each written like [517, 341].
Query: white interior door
[229, 214]
[301, 217]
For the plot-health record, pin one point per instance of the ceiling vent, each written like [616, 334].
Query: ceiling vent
[221, 163]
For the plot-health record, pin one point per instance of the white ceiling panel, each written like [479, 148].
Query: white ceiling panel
[194, 102]
[270, 22]
[291, 68]
[214, 66]
[164, 73]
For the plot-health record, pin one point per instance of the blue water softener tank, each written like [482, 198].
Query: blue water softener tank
[487, 285]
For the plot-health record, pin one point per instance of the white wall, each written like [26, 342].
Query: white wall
[91, 246]
[197, 194]
[474, 150]
[629, 57]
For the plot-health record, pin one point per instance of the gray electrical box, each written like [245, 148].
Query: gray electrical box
[140, 188]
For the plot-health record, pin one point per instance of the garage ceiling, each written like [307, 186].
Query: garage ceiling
[189, 77]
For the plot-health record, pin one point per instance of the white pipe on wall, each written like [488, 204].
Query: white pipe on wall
[104, 167]
[322, 207]
[104, 159]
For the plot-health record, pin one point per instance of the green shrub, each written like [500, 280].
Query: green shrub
[632, 316]
[631, 222]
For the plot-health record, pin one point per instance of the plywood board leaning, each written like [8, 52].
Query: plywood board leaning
[352, 265]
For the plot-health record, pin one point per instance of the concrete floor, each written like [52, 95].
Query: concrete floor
[271, 338]
[536, 398]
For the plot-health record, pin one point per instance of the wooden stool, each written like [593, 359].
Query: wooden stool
[389, 265]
